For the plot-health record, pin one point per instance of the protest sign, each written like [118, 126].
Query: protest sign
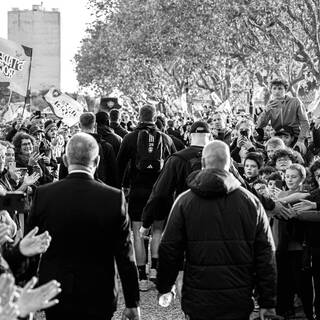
[15, 65]
[13, 111]
[64, 107]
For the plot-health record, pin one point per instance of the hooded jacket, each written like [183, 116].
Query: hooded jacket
[109, 136]
[224, 234]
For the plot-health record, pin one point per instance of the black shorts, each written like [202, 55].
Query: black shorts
[138, 198]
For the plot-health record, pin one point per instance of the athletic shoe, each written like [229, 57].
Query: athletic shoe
[144, 285]
[153, 275]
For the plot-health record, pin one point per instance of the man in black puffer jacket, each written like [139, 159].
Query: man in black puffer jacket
[223, 232]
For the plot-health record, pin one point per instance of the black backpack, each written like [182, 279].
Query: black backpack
[150, 151]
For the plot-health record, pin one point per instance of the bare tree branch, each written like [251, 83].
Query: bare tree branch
[307, 59]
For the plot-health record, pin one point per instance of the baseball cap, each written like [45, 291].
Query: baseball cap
[199, 127]
[285, 131]
[34, 129]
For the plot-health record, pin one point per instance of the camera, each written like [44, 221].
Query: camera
[13, 202]
[244, 132]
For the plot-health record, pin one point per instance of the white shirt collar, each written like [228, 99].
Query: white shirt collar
[81, 171]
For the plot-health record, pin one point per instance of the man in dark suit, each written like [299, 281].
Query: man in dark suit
[90, 232]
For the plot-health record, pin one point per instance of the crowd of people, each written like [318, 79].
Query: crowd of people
[226, 207]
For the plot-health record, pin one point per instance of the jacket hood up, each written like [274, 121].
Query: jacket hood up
[211, 183]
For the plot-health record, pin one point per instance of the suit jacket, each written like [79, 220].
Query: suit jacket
[90, 232]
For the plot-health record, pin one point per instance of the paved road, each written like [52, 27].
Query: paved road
[150, 310]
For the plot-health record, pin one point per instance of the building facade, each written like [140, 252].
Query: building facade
[40, 30]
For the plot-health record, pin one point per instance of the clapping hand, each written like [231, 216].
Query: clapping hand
[131, 314]
[8, 311]
[305, 205]
[31, 180]
[32, 300]
[6, 289]
[6, 219]
[5, 232]
[34, 158]
[33, 244]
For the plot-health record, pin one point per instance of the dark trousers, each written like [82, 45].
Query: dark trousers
[293, 278]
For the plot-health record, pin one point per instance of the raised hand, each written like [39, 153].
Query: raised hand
[32, 300]
[34, 158]
[247, 144]
[275, 192]
[33, 244]
[18, 124]
[272, 104]
[31, 180]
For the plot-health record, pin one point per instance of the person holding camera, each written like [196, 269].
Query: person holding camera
[245, 141]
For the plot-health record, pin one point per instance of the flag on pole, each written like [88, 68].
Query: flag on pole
[64, 107]
[83, 102]
[15, 65]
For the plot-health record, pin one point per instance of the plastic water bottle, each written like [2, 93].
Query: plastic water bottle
[165, 299]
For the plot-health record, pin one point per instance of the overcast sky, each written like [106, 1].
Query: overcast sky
[74, 17]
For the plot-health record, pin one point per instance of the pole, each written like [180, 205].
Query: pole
[10, 96]
[28, 86]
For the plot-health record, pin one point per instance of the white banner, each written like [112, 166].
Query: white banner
[64, 107]
[13, 111]
[15, 62]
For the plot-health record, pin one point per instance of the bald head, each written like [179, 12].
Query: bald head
[82, 150]
[216, 155]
